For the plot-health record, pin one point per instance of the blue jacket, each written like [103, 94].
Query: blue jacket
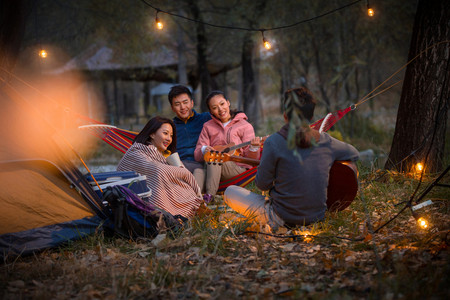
[187, 134]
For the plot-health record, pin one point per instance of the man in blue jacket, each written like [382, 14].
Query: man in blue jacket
[188, 124]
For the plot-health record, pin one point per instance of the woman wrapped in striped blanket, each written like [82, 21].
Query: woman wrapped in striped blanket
[174, 189]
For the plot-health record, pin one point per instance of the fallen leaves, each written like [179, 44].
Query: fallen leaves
[214, 259]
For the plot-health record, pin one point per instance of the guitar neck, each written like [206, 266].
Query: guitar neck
[220, 157]
[244, 160]
[232, 148]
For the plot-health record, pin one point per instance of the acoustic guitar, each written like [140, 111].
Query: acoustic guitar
[342, 182]
[232, 147]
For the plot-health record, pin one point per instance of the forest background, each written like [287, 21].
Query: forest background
[341, 57]
[374, 249]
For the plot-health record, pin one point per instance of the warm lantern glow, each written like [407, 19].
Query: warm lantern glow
[267, 45]
[422, 222]
[43, 53]
[307, 238]
[370, 12]
[419, 167]
[159, 24]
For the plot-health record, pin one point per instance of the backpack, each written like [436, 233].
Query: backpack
[132, 217]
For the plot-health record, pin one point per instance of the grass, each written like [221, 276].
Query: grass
[214, 257]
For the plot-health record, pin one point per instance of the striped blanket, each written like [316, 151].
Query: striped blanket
[174, 189]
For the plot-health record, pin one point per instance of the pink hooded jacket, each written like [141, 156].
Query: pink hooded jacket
[213, 134]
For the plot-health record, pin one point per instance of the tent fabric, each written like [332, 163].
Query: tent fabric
[41, 238]
[44, 199]
[54, 200]
[40, 208]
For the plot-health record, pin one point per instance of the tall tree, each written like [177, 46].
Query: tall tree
[249, 92]
[206, 81]
[422, 115]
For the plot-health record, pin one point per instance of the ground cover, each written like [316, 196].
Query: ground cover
[219, 256]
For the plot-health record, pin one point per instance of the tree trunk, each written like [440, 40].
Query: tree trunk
[248, 81]
[206, 81]
[182, 60]
[422, 115]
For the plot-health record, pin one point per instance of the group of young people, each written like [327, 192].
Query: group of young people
[294, 164]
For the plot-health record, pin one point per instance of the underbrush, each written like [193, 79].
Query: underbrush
[361, 252]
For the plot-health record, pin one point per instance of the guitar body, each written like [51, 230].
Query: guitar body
[342, 185]
[342, 182]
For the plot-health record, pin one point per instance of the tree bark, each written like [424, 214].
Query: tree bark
[248, 81]
[422, 115]
[250, 95]
[207, 84]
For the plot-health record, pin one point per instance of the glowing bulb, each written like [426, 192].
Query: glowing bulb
[370, 12]
[267, 45]
[419, 167]
[159, 24]
[43, 53]
[422, 222]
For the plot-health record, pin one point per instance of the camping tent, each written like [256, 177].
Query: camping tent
[44, 198]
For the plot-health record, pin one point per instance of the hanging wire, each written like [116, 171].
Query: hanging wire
[365, 98]
[252, 29]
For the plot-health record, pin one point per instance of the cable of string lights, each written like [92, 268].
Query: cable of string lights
[262, 30]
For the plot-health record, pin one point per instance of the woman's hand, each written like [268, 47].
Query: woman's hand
[209, 149]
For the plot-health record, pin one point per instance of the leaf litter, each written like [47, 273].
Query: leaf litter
[223, 256]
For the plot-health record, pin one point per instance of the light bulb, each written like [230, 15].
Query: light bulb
[159, 24]
[267, 45]
[422, 222]
[419, 167]
[43, 53]
[370, 12]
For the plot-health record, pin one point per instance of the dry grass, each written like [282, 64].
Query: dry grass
[213, 258]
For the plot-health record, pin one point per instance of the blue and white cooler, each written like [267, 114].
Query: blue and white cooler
[132, 180]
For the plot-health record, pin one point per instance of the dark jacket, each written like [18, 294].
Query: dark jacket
[188, 133]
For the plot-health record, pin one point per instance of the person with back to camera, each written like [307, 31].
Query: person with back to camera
[226, 127]
[295, 168]
[188, 125]
[174, 189]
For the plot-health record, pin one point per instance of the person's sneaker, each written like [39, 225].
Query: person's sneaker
[208, 198]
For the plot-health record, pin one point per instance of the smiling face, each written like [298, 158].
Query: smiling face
[162, 138]
[182, 105]
[220, 108]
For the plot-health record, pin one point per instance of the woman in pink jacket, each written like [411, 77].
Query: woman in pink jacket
[226, 127]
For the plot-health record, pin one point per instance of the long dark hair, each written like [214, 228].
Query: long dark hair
[299, 105]
[151, 127]
[233, 112]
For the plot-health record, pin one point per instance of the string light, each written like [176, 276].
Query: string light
[422, 222]
[419, 167]
[43, 53]
[158, 22]
[370, 11]
[266, 43]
